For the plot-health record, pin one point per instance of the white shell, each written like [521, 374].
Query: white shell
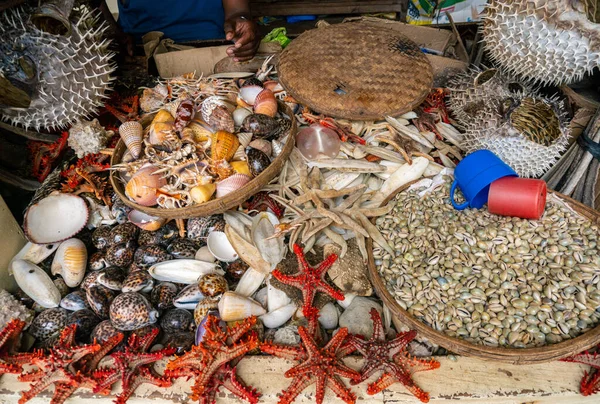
[239, 222]
[36, 284]
[263, 228]
[70, 262]
[210, 103]
[348, 297]
[240, 154]
[329, 316]
[188, 297]
[220, 247]
[34, 253]
[204, 254]
[249, 93]
[261, 296]
[234, 307]
[250, 282]
[45, 223]
[276, 298]
[239, 115]
[183, 270]
[247, 252]
[277, 318]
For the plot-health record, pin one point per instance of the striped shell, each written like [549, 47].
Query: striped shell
[224, 145]
[142, 187]
[203, 307]
[245, 138]
[231, 184]
[184, 114]
[131, 133]
[70, 262]
[265, 103]
[202, 131]
[221, 119]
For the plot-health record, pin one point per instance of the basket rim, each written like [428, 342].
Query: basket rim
[515, 356]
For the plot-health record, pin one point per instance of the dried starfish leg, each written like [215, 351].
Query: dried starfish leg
[330, 214]
[376, 212]
[337, 239]
[319, 226]
[352, 225]
[392, 141]
[404, 131]
[352, 166]
[362, 246]
[373, 232]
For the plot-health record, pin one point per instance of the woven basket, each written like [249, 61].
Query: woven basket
[355, 71]
[508, 355]
[213, 206]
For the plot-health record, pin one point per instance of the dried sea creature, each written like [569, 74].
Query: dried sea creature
[131, 133]
[88, 137]
[70, 261]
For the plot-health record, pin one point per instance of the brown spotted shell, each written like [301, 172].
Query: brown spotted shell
[198, 228]
[203, 307]
[112, 277]
[130, 311]
[104, 331]
[100, 237]
[177, 320]
[223, 145]
[49, 323]
[138, 281]
[100, 298]
[149, 255]
[97, 261]
[123, 233]
[85, 320]
[163, 294]
[258, 161]
[212, 285]
[120, 255]
[183, 248]
[91, 279]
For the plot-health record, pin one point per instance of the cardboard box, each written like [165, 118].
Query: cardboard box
[199, 60]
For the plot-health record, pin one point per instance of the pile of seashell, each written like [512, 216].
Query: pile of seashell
[202, 147]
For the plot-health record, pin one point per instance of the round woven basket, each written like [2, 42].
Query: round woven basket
[355, 71]
[523, 356]
[214, 206]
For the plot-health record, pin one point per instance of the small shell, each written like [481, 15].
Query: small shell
[161, 126]
[103, 332]
[223, 145]
[276, 298]
[239, 115]
[145, 221]
[262, 145]
[123, 233]
[177, 320]
[184, 114]
[250, 93]
[131, 311]
[101, 236]
[278, 317]
[204, 254]
[74, 301]
[202, 131]
[35, 253]
[70, 262]
[189, 297]
[142, 187]
[163, 294]
[172, 106]
[234, 307]
[148, 255]
[198, 228]
[48, 323]
[100, 298]
[220, 247]
[245, 138]
[272, 249]
[97, 261]
[183, 248]
[36, 284]
[231, 184]
[201, 322]
[131, 133]
[203, 307]
[91, 279]
[203, 193]
[277, 146]
[241, 167]
[139, 281]
[250, 282]
[212, 285]
[85, 320]
[120, 255]
[240, 154]
[265, 103]
[183, 270]
[221, 119]
[257, 160]
[236, 269]
[210, 103]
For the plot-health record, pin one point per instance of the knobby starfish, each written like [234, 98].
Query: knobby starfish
[60, 366]
[322, 366]
[213, 360]
[10, 361]
[590, 383]
[392, 358]
[134, 367]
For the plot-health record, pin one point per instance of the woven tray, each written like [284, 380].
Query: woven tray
[355, 71]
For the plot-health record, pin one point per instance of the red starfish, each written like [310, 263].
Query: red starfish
[124, 109]
[11, 362]
[133, 367]
[590, 383]
[59, 367]
[310, 281]
[43, 155]
[392, 358]
[210, 361]
[262, 200]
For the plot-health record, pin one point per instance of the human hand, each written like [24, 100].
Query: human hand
[244, 33]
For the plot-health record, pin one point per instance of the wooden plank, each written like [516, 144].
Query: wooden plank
[40, 137]
[12, 242]
[261, 8]
[465, 380]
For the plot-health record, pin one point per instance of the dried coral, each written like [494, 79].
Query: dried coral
[88, 137]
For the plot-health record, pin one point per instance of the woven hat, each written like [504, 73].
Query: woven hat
[355, 71]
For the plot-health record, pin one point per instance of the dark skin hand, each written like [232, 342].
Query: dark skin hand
[240, 29]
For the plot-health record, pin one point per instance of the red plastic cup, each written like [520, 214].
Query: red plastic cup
[517, 197]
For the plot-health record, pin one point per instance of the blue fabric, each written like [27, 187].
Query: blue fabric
[180, 20]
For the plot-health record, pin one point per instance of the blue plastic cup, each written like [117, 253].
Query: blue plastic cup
[474, 175]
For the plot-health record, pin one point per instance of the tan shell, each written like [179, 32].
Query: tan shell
[203, 307]
[231, 184]
[221, 119]
[234, 307]
[131, 133]
[245, 138]
[223, 145]
[70, 262]
[265, 103]
[161, 125]
[142, 187]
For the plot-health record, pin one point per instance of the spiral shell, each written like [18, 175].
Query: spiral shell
[245, 138]
[224, 145]
[142, 187]
[184, 114]
[202, 131]
[203, 307]
[265, 103]
[231, 184]
[131, 133]
[70, 262]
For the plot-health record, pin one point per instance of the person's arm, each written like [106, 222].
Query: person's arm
[241, 29]
[125, 41]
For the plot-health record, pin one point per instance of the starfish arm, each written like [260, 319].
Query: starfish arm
[297, 385]
[23, 358]
[106, 378]
[105, 348]
[32, 376]
[62, 391]
[296, 280]
[378, 332]
[143, 375]
[138, 360]
[9, 334]
[320, 387]
[360, 345]
[337, 340]
[590, 384]
[10, 368]
[330, 290]
[79, 352]
[58, 376]
[397, 374]
[586, 358]
[400, 342]
[239, 388]
[341, 390]
[345, 371]
[368, 369]
[239, 330]
[282, 351]
[415, 364]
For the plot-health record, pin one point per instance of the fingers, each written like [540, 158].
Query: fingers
[246, 52]
[229, 27]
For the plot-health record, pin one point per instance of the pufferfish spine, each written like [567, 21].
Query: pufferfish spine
[546, 41]
[74, 70]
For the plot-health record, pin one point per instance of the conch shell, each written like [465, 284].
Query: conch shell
[70, 262]
[223, 145]
[142, 187]
[218, 113]
[234, 307]
[161, 126]
[131, 133]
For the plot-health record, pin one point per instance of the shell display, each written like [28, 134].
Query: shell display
[234, 307]
[122, 233]
[149, 255]
[141, 188]
[188, 297]
[212, 285]
[48, 323]
[72, 72]
[131, 311]
[97, 261]
[265, 103]
[258, 161]
[86, 321]
[551, 42]
[203, 307]
[183, 248]
[36, 283]
[231, 184]
[100, 298]
[76, 300]
[103, 332]
[138, 281]
[120, 255]
[100, 237]
[112, 278]
[132, 132]
[70, 262]
[177, 320]
[183, 115]
[223, 145]
[163, 294]
[198, 228]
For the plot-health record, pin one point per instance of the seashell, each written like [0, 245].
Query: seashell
[251, 81]
[91, 279]
[266, 127]
[223, 145]
[239, 115]
[262, 145]
[120, 255]
[239, 222]
[220, 247]
[318, 141]
[148, 255]
[222, 169]
[277, 146]
[202, 131]
[97, 261]
[348, 298]
[177, 320]
[62, 287]
[201, 329]
[250, 93]
[145, 221]
[258, 161]
[49, 323]
[272, 249]
[131, 132]
[265, 103]
[100, 298]
[172, 106]
[182, 341]
[153, 98]
[74, 301]
[236, 269]
[139, 281]
[142, 187]
[70, 261]
[183, 248]
[198, 228]
[34, 253]
[210, 103]
[85, 321]
[112, 278]
[273, 85]
[276, 298]
[221, 119]
[203, 193]
[161, 126]
[241, 167]
[45, 223]
[205, 306]
[189, 297]
[234, 307]
[277, 318]
[242, 104]
[163, 294]
[240, 154]
[245, 138]
[231, 184]
[247, 251]
[183, 270]
[36, 283]
[329, 316]
[131, 311]
[162, 236]
[261, 296]
[123, 233]
[100, 237]
[212, 285]
[183, 115]
[204, 254]
[250, 282]
[104, 331]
